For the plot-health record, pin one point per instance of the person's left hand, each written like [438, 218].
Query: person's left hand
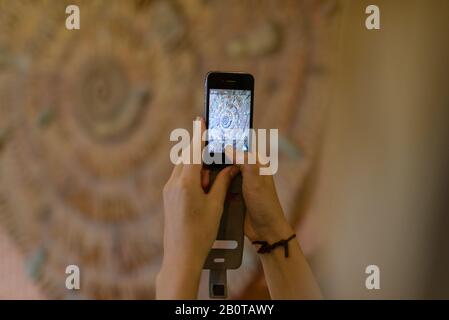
[192, 219]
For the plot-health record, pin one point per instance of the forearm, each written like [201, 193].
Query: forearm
[288, 277]
[178, 281]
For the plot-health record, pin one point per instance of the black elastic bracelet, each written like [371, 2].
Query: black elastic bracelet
[266, 247]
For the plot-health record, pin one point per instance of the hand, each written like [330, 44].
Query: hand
[192, 219]
[287, 278]
[265, 218]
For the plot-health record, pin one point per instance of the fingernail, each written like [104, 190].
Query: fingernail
[234, 170]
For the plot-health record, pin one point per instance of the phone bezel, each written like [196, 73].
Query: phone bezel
[227, 80]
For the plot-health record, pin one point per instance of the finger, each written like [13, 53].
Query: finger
[177, 169]
[246, 161]
[234, 155]
[205, 179]
[203, 129]
[195, 148]
[197, 143]
[222, 182]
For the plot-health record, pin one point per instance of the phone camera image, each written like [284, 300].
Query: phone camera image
[229, 119]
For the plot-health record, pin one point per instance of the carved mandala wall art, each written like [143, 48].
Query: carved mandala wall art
[85, 117]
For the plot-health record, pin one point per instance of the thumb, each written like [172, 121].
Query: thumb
[247, 162]
[222, 182]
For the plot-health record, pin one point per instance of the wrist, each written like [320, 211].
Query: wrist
[178, 274]
[178, 279]
[275, 232]
[183, 262]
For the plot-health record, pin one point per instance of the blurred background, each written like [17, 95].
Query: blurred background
[85, 117]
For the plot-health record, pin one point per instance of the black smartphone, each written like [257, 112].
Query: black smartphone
[228, 113]
[229, 118]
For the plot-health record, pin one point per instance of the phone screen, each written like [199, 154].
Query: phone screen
[229, 119]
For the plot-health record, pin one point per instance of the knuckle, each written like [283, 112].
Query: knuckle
[252, 168]
[166, 188]
[183, 183]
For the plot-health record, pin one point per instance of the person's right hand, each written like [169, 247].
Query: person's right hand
[265, 218]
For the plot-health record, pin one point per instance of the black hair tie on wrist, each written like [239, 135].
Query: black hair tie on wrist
[266, 247]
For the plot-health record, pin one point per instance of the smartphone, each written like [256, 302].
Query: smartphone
[229, 117]
[228, 113]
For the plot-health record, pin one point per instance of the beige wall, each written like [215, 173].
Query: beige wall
[384, 154]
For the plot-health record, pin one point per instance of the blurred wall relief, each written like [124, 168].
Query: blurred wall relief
[85, 117]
